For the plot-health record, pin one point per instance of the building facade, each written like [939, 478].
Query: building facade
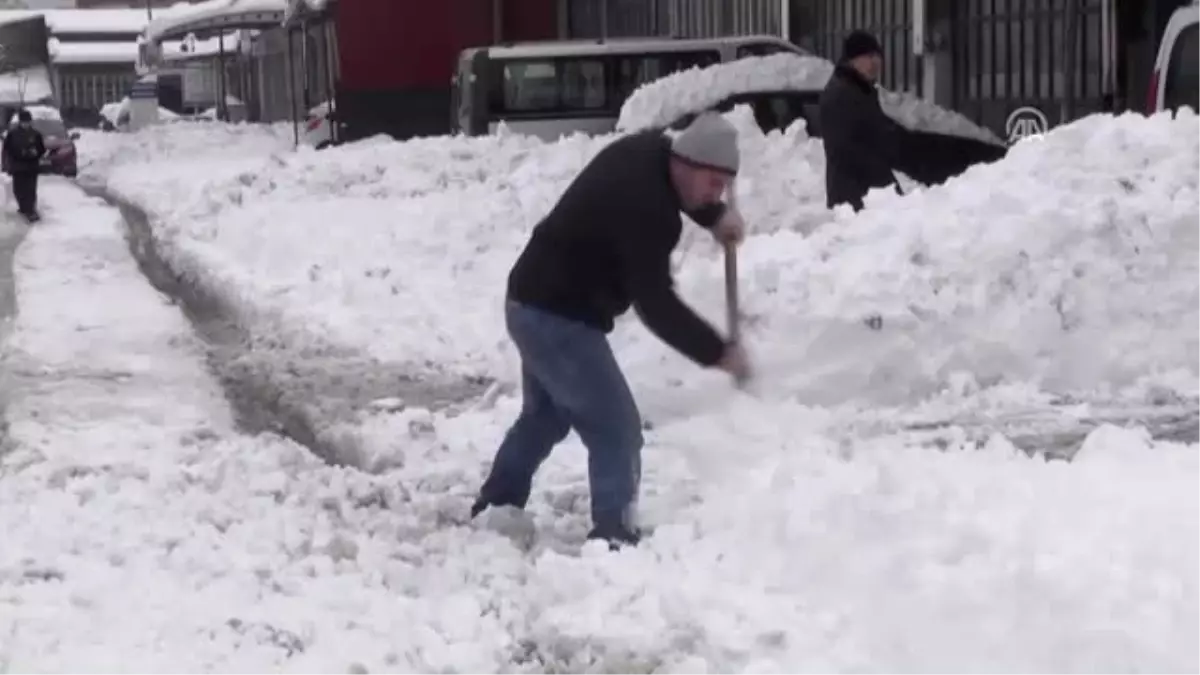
[1006, 64]
[88, 58]
[395, 59]
[1003, 63]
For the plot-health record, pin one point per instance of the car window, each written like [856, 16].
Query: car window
[634, 70]
[551, 85]
[759, 49]
[1183, 71]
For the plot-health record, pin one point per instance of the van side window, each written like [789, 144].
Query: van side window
[544, 85]
[759, 49]
[1183, 72]
[634, 71]
[530, 85]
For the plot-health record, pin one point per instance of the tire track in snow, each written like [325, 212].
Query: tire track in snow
[311, 394]
[11, 234]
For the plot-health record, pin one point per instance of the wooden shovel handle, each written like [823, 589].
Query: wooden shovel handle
[732, 312]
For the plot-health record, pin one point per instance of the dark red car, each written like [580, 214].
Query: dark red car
[60, 147]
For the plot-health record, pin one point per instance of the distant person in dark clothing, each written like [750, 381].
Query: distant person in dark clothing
[605, 246]
[861, 143]
[23, 150]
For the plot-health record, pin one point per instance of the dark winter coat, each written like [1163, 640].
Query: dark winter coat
[607, 245]
[23, 149]
[862, 144]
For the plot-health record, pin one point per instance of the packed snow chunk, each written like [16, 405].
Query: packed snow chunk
[661, 102]
[1072, 264]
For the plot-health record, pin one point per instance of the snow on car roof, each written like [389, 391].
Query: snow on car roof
[660, 102]
[44, 112]
[663, 101]
[626, 45]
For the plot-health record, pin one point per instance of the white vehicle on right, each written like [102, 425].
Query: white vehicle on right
[1176, 79]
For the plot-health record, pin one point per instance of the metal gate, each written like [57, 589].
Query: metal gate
[671, 18]
[1022, 66]
[820, 26]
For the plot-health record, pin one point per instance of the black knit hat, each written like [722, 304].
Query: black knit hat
[24, 116]
[860, 43]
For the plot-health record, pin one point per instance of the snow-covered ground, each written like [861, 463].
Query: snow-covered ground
[798, 527]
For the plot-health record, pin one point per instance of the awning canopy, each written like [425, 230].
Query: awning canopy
[206, 19]
[299, 10]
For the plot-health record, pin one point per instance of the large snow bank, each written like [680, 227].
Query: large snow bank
[1071, 265]
[663, 101]
[788, 538]
[407, 224]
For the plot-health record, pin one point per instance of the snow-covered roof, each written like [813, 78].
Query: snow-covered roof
[216, 14]
[667, 99]
[298, 7]
[77, 21]
[30, 84]
[44, 112]
[92, 52]
[127, 52]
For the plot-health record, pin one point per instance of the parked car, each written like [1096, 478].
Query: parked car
[1176, 78]
[60, 157]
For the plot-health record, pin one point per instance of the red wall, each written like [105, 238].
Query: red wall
[529, 20]
[389, 44]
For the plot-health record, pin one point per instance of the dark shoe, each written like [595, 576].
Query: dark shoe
[617, 536]
[482, 503]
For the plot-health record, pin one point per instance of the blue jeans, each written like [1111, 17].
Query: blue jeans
[569, 379]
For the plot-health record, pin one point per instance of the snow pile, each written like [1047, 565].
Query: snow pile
[1072, 263]
[663, 101]
[403, 225]
[787, 538]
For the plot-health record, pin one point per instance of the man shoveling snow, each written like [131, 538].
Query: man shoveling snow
[605, 246]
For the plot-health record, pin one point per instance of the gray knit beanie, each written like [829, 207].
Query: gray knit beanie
[709, 141]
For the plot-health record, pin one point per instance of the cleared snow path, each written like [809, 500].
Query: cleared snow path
[141, 531]
[310, 395]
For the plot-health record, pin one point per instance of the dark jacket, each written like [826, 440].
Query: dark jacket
[23, 149]
[861, 142]
[607, 245]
